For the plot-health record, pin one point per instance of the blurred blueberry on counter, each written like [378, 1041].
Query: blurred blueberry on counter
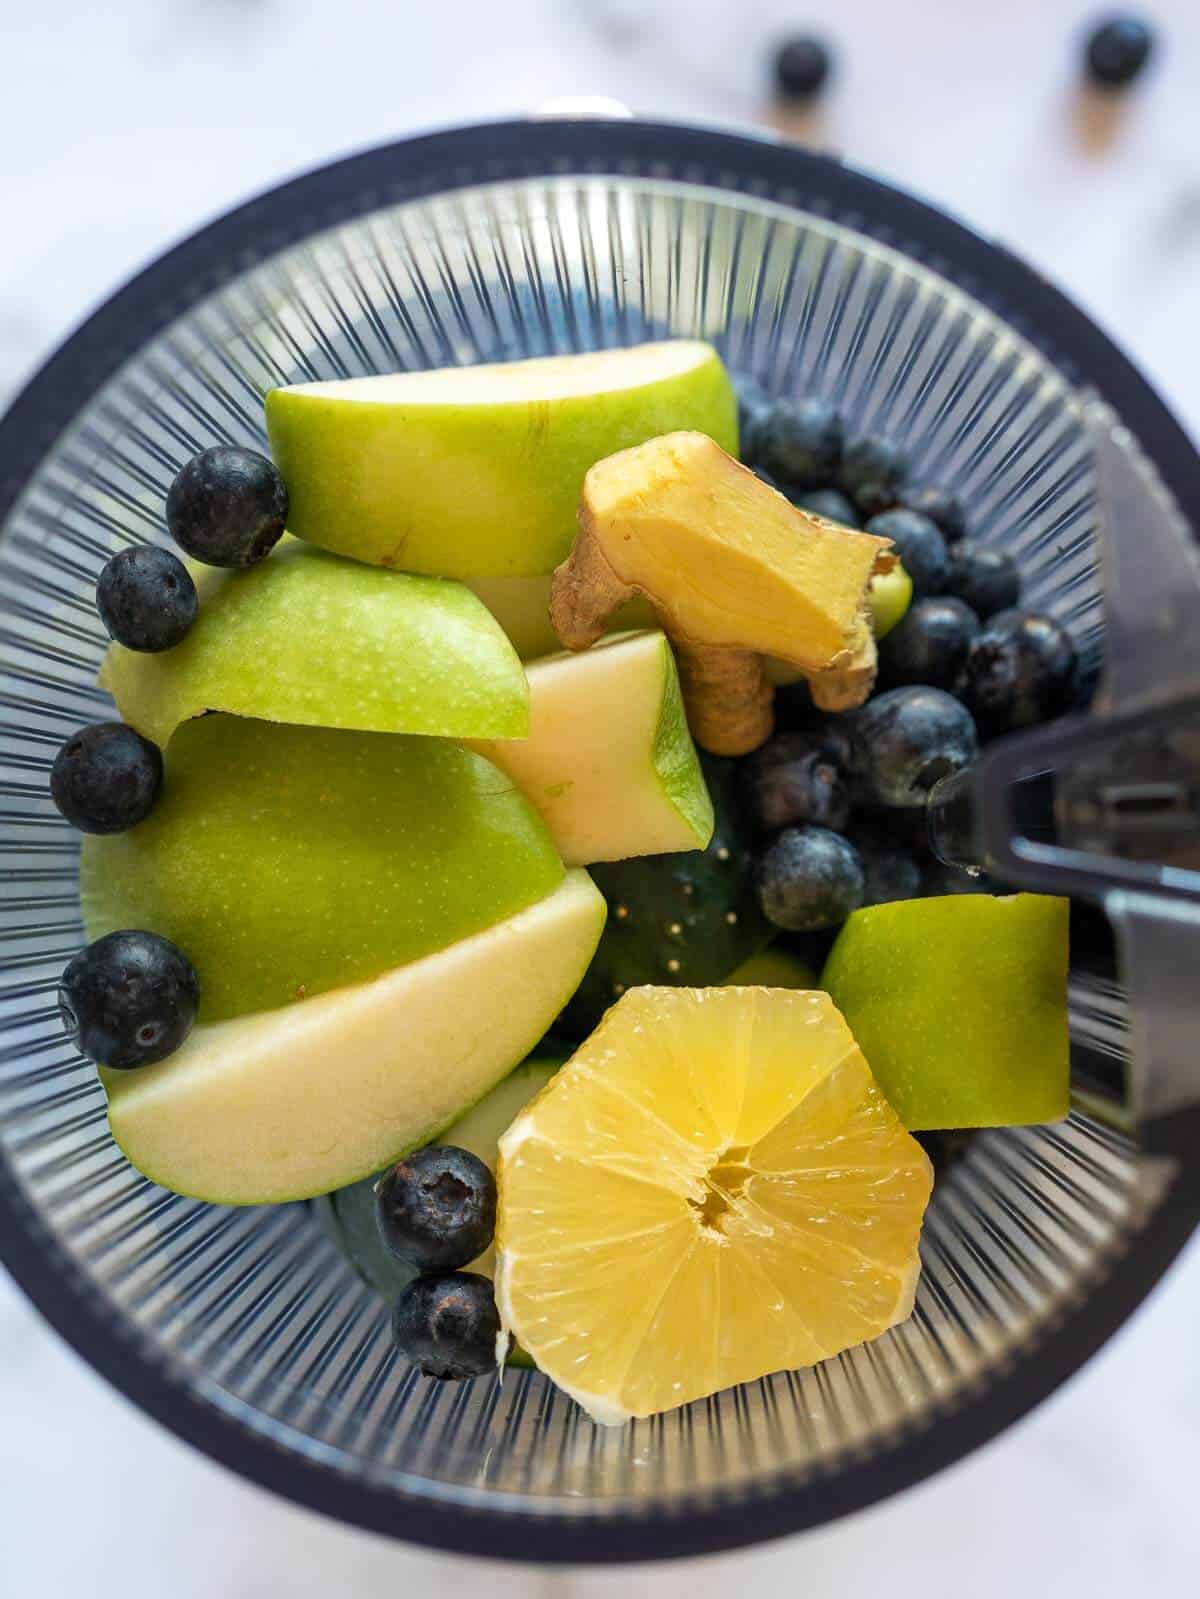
[1117, 51]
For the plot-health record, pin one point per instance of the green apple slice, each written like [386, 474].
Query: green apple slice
[521, 605]
[287, 861]
[309, 638]
[960, 1006]
[291, 1103]
[476, 471]
[609, 762]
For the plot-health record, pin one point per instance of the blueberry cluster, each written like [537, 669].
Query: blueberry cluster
[130, 999]
[838, 801]
[436, 1212]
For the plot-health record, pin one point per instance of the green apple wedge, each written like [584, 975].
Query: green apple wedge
[959, 1004]
[609, 762]
[521, 605]
[291, 1103]
[287, 861]
[310, 638]
[476, 471]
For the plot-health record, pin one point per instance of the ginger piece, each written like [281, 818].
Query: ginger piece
[735, 573]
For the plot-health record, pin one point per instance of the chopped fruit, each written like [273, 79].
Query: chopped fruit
[1019, 671]
[128, 1000]
[291, 860]
[349, 1213]
[731, 1147]
[930, 644]
[809, 878]
[772, 968]
[908, 738]
[960, 1005]
[106, 778]
[436, 1208]
[831, 504]
[521, 605]
[309, 638]
[684, 919]
[609, 763]
[227, 507]
[448, 1327]
[1117, 51]
[987, 580]
[801, 67]
[476, 471]
[800, 443]
[735, 572]
[290, 1103]
[795, 778]
[889, 597]
[919, 545]
[146, 598]
[941, 507]
[872, 473]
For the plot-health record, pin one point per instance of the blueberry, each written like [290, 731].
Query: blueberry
[988, 580]
[795, 778]
[801, 443]
[754, 406]
[801, 67]
[941, 507]
[1117, 50]
[929, 644]
[830, 503]
[764, 476]
[889, 873]
[106, 778]
[908, 738]
[146, 599]
[1020, 670]
[436, 1208]
[448, 1326]
[809, 878]
[129, 999]
[920, 546]
[872, 473]
[227, 507]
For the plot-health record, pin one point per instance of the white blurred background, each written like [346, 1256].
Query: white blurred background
[122, 127]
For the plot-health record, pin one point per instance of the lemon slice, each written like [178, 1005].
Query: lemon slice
[713, 1188]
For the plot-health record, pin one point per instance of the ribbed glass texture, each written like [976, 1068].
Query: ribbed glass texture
[253, 1310]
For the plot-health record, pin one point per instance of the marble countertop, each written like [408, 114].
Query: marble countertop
[121, 128]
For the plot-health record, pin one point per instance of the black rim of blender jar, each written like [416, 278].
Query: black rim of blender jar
[508, 151]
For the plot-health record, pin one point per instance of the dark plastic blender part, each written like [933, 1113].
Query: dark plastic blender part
[244, 1330]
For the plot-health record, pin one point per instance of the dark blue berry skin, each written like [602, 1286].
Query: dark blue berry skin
[793, 779]
[929, 644]
[988, 581]
[106, 778]
[942, 508]
[920, 546]
[809, 878]
[801, 443]
[872, 473]
[129, 999]
[146, 599]
[890, 872]
[908, 738]
[1117, 51]
[945, 1150]
[448, 1326]
[831, 504]
[802, 67]
[764, 476]
[436, 1208]
[1019, 671]
[754, 406]
[227, 507]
